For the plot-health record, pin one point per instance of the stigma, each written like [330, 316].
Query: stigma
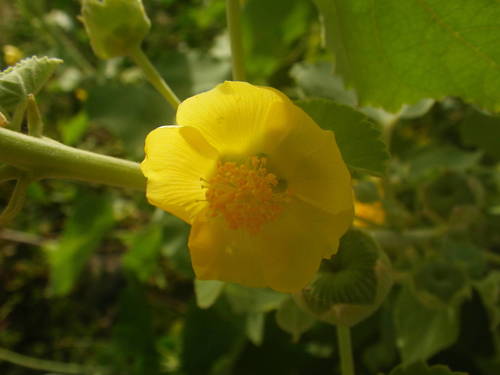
[245, 194]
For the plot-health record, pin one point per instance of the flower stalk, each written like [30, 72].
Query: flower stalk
[35, 123]
[46, 158]
[233, 15]
[345, 348]
[44, 365]
[143, 62]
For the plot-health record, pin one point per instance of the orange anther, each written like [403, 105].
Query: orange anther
[245, 194]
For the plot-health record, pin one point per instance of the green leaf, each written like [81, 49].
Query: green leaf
[482, 131]
[144, 251]
[73, 129]
[270, 29]
[421, 331]
[489, 290]
[252, 300]
[420, 368]
[26, 77]
[357, 137]
[397, 52]
[318, 80]
[133, 335]
[211, 339]
[432, 160]
[467, 255]
[207, 292]
[254, 327]
[441, 282]
[293, 320]
[89, 222]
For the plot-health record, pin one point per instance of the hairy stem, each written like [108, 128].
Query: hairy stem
[345, 347]
[46, 158]
[233, 14]
[142, 61]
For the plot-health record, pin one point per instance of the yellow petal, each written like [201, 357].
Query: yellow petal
[220, 253]
[309, 160]
[284, 256]
[237, 118]
[177, 159]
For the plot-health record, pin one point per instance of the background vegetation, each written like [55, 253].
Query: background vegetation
[97, 277]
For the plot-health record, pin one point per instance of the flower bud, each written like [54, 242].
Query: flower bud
[115, 26]
[352, 285]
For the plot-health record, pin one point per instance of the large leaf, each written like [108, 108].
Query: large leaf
[357, 137]
[26, 77]
[318, 80]
[395, 52]
[421, 331]
[90, 220]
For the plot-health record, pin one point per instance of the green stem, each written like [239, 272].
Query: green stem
[345, 347]
[42, 364]
[46, 158]
[142, 61]
[16, 200]
[35, 123]
[18, 117]
[233, 14]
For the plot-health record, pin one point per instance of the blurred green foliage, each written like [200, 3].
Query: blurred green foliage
[98, 277]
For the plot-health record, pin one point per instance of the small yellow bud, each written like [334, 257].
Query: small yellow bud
[114, 26]
[81, 94]
[11, 54]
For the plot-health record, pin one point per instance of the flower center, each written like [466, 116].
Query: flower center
[245, 194]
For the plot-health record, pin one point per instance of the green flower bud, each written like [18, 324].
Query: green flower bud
[115, 26]
[352, 285]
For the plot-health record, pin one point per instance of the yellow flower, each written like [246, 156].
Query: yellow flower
[263, 186]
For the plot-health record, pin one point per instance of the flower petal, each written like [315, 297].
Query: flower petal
[220, 253]
[177, 158]
[238, 118]
[309, 160]
[284, 256]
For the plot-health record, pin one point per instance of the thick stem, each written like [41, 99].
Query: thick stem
[42, 364]
[46, 158]
[142, 61]
[233, 15]
[345, 347]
